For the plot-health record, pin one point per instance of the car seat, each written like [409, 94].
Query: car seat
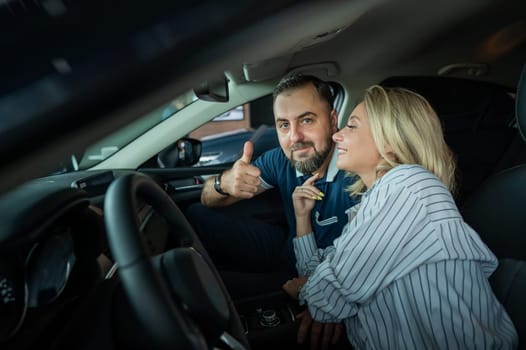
[496, 211]
[478, 120]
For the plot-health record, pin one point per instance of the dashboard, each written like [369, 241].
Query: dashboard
[54, 251]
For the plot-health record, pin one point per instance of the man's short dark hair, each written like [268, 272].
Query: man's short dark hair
[297, 80]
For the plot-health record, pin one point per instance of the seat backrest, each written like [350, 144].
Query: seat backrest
[509, 285]
[496, 211]
[477, 118]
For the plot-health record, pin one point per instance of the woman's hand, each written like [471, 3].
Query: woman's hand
[292, 287]
[305, 196]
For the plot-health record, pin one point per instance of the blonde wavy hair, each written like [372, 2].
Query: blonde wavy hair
[404, 122]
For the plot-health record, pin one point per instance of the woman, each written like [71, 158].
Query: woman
[407, 271]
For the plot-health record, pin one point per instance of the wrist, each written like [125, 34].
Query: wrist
[217, 185]
[303, 233]
[303, 226]
[301, 295]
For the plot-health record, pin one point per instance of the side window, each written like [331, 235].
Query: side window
[223, 137]
[232, 121]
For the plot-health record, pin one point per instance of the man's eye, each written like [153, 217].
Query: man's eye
[306, 121]
[283, 125]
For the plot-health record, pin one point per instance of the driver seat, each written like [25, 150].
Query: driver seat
[496, 211]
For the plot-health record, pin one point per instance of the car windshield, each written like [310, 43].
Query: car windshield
[110, 144]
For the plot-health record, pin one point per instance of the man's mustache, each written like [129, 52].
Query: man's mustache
[300, 145]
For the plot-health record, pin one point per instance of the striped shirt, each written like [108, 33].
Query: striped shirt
[407, 272]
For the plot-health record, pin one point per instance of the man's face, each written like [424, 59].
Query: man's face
[305, 126]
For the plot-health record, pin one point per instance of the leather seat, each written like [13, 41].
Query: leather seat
[477, 118]
[496, 211]
[509, 285]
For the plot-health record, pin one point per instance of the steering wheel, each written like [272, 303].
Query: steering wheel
[178, 296]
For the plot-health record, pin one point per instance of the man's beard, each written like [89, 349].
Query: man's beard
[315, 162]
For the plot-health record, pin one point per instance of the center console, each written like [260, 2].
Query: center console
[270, 320]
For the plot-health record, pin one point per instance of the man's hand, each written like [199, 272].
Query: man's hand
[242, 181]
[321, 334]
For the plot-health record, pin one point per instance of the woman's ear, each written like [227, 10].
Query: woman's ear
[388, 151]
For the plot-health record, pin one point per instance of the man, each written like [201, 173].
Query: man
[255, 257]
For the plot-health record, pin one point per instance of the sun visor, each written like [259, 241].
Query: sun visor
[268, 69]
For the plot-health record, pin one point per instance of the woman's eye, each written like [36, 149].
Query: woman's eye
[351, 126]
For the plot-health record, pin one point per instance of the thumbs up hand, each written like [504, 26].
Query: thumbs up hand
[242, 181]
[248, 151]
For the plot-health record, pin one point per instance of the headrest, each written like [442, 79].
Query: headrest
[520, 110]
[460, 102]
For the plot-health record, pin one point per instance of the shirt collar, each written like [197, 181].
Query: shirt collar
[332, 170]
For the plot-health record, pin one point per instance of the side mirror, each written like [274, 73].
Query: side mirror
[184, 152]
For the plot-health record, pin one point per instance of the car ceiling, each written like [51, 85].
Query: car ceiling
[412, 37]
[118, 61]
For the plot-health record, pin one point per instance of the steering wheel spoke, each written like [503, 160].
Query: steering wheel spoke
[178, 295]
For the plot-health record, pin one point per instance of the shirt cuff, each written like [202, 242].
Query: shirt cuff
[265, 185]
[302, 295]
[305, 246]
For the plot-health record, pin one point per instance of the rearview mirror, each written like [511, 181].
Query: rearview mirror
[184, 152]
[213, 90]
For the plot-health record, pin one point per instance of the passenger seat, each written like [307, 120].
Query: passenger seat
[496, 211]
[478, 120]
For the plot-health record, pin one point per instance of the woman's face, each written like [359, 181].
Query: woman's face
[356, 149]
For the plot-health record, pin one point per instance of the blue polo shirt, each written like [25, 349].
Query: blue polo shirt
[328, 216]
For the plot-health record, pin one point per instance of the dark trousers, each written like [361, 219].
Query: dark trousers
[251, 255]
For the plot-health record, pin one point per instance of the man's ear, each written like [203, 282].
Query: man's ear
[334, 120]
